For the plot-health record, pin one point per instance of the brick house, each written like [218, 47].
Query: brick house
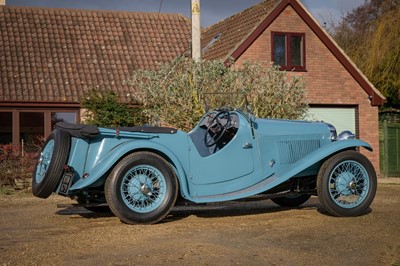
[51, 57]
[285, 33]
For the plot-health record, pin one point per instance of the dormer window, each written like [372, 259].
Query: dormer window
[288, 50]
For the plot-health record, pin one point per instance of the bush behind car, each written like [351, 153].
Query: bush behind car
[173, 95]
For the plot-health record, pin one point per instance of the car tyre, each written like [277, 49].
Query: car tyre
[50, 165]
[346, 184]
[141, 189]
[292, 201]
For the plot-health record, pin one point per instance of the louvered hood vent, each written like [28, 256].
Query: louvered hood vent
[293, 150]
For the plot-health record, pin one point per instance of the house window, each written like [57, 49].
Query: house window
[6, 127]
[30, 126]
[56, 117]
[31, 129]
[288, 50]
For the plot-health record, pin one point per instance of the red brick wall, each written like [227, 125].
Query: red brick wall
[327, 81]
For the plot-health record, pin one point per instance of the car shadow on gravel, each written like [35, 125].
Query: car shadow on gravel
[85, 213]
[325, 212]
[231, 209]
[210, 210]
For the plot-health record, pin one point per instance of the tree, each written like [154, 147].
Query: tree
[174, 93]
[370, 35]
[382, 64]
[104, 109]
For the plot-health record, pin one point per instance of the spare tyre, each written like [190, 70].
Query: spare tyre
[50, 165]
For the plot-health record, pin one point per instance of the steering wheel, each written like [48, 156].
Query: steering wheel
[216, 129]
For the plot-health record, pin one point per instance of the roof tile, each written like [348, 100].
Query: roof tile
[56, 54]
[234, 30]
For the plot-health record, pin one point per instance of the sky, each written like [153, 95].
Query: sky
[212, 11]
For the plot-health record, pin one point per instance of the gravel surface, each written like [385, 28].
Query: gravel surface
[36, 232]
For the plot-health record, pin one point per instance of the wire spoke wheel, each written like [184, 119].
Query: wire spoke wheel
[349, 184]
[346, 184]
[141, 189]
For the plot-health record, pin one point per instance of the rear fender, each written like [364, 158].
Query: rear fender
[119, 151]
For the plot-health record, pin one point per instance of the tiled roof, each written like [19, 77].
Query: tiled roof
[55, 55]
[233, 31]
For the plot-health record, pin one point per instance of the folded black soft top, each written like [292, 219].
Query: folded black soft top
[79, 130]
[91, 131]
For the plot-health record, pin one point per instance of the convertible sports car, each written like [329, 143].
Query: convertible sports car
[139, 172]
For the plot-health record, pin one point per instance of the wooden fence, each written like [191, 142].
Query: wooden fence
[389, 144]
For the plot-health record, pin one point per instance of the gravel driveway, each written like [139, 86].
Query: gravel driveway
[36, 232]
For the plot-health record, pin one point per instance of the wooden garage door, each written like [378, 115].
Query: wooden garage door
[343, 118]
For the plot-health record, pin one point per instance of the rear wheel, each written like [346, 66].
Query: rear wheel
[346, 184]
[291, 201]
[141, 189]
[50, 165]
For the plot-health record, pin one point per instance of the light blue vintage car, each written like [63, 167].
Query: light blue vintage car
[140, 172]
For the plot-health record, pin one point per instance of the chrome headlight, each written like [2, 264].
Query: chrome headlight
[333, 133]
[346, 135]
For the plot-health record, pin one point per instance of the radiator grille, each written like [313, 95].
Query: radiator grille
[293, 150]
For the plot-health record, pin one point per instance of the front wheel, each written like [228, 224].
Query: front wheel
[346, 184]
[141, 189]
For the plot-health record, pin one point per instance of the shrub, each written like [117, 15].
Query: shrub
[174, 93]
[105, 109]
[16, 166]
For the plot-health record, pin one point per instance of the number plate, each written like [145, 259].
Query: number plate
[66, 182]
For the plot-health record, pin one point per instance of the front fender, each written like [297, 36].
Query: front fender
[286, 173]
[320, 154]
[123, 149]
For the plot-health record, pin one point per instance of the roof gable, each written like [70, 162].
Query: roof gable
[260, 17]
[56, 55]
[234, 30]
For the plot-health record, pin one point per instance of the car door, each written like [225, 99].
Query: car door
[226, 166]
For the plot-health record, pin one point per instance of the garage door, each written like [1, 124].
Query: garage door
[342, 118]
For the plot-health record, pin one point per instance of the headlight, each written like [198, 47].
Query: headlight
[346, 135]
[333, 134]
